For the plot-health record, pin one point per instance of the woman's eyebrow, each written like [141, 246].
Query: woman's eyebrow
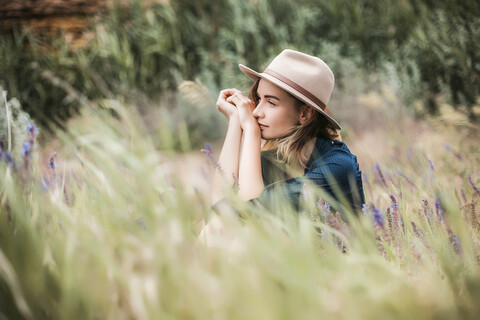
[272, 97]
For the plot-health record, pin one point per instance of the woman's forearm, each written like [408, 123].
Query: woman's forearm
[250, 175]
[228, 160]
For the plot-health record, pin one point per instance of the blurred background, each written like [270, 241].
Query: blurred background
[169, 59]
[101, 214]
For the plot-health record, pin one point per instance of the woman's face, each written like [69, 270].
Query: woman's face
[276, 112]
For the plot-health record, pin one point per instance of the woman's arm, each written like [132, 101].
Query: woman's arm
[229, 156]
[250, 175]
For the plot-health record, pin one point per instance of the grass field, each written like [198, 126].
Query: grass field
[108, 228]
[103, 218]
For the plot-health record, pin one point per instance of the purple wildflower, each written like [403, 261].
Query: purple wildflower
[439, 209]
[432, 165]
[32, 129]
[380, 174]
[457, 246]
[420, 235]
[427, 211]
[51, 163]
[394, 203]
[378, 216]
[208, 147]
[324, 207]
[2, 152]
[26, 150]
[9, 159]
[455, 153]
[417, 231]
[474, 186]
[207, 150]
[395, 207]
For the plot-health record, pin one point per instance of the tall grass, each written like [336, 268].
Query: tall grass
[109, 228]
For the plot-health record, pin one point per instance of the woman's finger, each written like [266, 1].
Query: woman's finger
[224, 94]
[237, 98]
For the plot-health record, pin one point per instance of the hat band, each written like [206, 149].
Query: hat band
[295, 86]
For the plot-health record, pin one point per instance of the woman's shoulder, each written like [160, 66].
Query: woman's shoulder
[332, 153]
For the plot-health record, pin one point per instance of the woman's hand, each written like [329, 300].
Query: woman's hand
[225, 107]
[245, 108]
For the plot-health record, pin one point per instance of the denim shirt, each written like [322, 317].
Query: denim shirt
[331, 167]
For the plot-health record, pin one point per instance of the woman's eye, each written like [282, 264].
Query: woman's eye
[272, 103]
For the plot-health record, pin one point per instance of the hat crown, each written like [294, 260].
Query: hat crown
[306, 77]
[308, 72]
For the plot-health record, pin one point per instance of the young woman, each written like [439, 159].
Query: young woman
[286, 108]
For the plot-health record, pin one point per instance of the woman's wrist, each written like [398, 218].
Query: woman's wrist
[234, 120]
[252, 130]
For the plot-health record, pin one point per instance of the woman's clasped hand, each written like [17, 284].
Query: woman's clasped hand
[231, 102]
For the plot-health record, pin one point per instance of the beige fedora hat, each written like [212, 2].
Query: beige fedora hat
[306, 77]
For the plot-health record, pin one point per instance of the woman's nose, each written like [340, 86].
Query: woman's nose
[257, 112]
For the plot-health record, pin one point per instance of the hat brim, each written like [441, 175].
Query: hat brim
[254, 75]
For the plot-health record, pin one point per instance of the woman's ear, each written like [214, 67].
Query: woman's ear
[306, 114]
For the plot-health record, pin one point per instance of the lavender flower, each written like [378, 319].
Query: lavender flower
[457, 246]
[464, 196]
[378, 216]
[51, 163]
[324, 207]
[207, 150]
[9, 160]
[456, 154]
[474, 186]
[32, 129]
[417, 231]
[439, 209]
[427, 211]
[432, 165]
[380, 174]
[26, 150]
[394, 203]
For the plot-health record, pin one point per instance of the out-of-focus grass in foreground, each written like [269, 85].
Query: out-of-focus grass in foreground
[108, 229]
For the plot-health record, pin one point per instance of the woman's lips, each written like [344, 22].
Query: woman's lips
[262, 126]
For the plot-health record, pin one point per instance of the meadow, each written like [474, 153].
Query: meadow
[101, 210]
[108, 227]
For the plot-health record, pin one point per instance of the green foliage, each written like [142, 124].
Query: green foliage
[137, 49]
[17, 120]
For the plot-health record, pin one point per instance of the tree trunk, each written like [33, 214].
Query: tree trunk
[28, 9]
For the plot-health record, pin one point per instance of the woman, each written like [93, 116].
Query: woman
[286, 108]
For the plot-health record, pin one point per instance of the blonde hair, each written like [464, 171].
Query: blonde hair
[292, 149]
